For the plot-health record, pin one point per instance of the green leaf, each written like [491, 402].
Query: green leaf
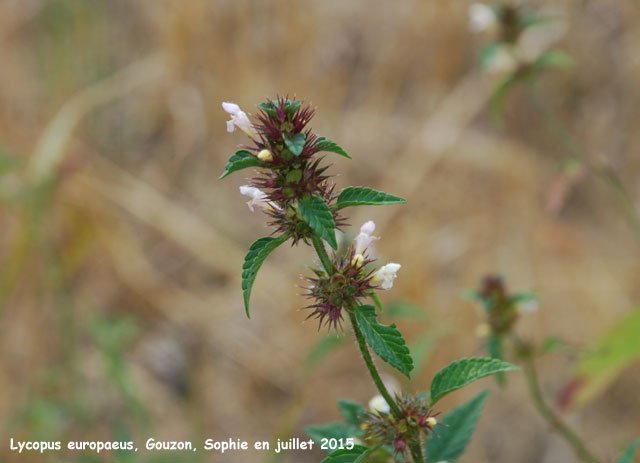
[258, 252]
[551, 344]
[465, 371]
[241, 160]
[355, 455]
[376, 300]
[499, 95]
[331, 431]
[320, 350]
[352, 412]
[386, 341]
[268, 108]
[363, 196]
[618, 348]
[627, 457]
[450, 440]
[324, 144]
[316, 213]
[420, 350]
[407, 310]
[295, 143]
[553, 59]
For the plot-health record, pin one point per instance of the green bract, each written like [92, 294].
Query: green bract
[462, 372]
[386, 341]
[363, 196]
[295, 143]
[258, 252]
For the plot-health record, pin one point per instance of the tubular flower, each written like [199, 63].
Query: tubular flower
[365, 239]
[239, 119]
[386, 274]
[481, 17]
[258, 198]
[379, 404]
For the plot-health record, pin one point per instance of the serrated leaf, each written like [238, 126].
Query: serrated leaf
[386, 341]
[627, 457]
[258, 252]
[363, 196]
[352, 412]
[316, 213]
[465, 371]
[618, 348]
[241, 160]
[325, 144]
[355, 455]
[450, 440]
[330, 431]
[295, 143]
[495, 348]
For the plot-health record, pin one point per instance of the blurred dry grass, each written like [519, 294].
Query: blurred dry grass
[120, 252]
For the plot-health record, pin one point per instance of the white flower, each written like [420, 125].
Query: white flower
[239, 119]
[481, 17]
[365, 239]
[379, 404]
[258, 198]
[528, 307]
[386, 274]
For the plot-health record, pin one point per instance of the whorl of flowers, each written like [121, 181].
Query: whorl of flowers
[382, 427]
[287, 148]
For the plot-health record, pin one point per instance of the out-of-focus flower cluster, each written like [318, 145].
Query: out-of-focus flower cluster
[382, 427]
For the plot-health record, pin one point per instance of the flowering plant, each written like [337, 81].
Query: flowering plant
[295, 191]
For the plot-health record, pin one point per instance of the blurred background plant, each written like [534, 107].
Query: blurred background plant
[121, 310]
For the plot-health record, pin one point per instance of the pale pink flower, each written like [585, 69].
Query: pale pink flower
[258, 198]
[239, 119]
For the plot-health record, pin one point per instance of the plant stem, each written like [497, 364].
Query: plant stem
[366, 356]
[415, 447]
[547, 413]
[322, 254]
[606, 173]
[416, 451]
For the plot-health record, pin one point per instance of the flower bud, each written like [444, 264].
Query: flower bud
[265, 155]
[357, 260]
[431, 421]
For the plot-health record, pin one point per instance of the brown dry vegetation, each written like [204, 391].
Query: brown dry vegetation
[121, 310]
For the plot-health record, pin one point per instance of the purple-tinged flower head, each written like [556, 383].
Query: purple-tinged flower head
[331, 294]
[285, 148]
[502, 308]
[380, 426]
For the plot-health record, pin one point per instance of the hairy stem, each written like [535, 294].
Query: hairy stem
[547, 413]
[415, 447]
[322, 254]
